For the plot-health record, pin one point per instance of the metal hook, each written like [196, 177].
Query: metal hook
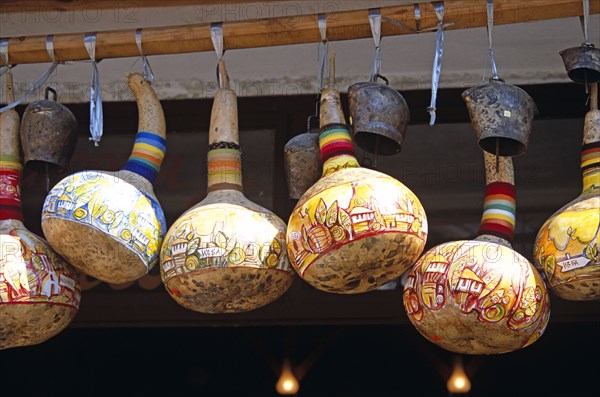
[50, 47]
[148, 74]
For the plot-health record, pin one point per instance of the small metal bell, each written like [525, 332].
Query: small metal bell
[502, 116]
[302, 156]
[379, 116]
[582, 63]
[48, 133]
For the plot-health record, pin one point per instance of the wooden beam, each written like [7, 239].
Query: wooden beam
[347, 25]
[18, 6]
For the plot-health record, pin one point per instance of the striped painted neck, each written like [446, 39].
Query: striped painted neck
[590, 167]
[10, 188]
[224, 167]
[499, 208]
[147, 155]
[337, 151]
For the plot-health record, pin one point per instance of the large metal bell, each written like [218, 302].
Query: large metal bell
[379, 116]
[303, 166]
[502, 116]
[582, 63]
[48, 133]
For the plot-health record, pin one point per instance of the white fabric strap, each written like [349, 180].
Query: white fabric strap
[96, 117]
[375, 22]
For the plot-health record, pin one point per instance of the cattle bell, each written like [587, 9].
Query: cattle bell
[303, 160]
[582, 63]
[502, 116]
[379, 117]
[48, 133]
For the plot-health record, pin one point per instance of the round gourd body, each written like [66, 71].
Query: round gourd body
[476, 297]
[107, 224]
[567, 249]
[355, 230]
[39, 291]
[226, 254]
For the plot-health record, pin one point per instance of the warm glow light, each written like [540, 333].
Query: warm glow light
[458, 383]
[287, 383]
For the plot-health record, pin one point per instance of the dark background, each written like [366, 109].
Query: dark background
[133, 340]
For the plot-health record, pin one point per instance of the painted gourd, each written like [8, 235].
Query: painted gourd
[110, 225]
[355, 229]
[39, 292]
[480, 296]
[226, 254]
[567, 247]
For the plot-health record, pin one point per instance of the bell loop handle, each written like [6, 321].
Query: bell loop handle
[47, 92]
[310, 121]
[382, 77]
[375, 22]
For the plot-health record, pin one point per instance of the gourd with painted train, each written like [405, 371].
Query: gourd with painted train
[226, 254]
[355, 229]
[107, 224]
[39, 292]
[567, 247]
[480, 296]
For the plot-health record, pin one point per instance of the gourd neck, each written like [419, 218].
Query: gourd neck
[224, 155]
[499, 205]
[150, 142]
[10, 161]
[337, 151]
[590, 150]
[590, 168]
[10, 188]
[224, 167]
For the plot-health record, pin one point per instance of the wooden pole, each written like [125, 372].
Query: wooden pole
[347, 25]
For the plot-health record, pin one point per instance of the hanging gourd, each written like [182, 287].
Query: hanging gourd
[226, 254]
[355, 229]
[480, 296]
[39, 292]
[567, 246]
[110, 225]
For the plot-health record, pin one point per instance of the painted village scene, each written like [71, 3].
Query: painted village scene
[486, 278]
[349, 212]
[126, 214]
[206, 242]
[30, 272]
[569, 242]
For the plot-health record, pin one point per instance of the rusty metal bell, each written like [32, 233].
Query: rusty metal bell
[582, 63]
[48, 133]
[502, 116]
[302, 156]
[379, 116]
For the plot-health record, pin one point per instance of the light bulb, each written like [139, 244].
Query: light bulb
[458, 383]
[287, 383]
